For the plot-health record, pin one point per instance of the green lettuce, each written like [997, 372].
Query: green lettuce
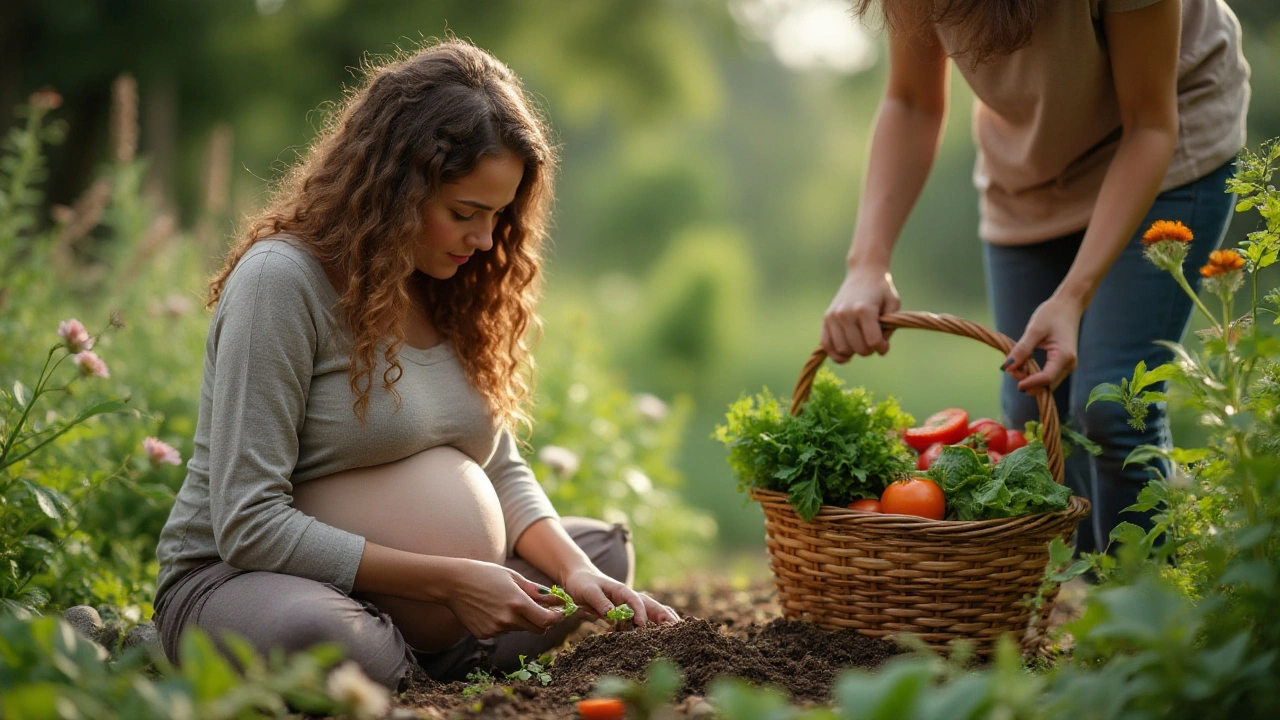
[1021, 484]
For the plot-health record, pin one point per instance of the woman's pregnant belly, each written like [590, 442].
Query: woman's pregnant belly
[437, 502]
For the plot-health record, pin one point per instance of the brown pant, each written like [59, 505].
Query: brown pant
[275, 610]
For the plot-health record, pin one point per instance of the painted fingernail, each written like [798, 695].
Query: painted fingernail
[544, 590]
[1007, 363]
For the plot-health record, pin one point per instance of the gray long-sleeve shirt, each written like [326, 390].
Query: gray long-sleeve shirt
[276, 410]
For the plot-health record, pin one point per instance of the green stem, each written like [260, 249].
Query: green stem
[26, 412]
[1186, 287]
[1253, 312]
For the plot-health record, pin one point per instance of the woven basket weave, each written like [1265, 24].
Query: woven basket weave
[942, 580]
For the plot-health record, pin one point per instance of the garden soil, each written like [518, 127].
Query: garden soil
[726, 631]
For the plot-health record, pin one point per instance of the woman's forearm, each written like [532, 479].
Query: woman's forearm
[903, 147]
[546, 546]
[388, 571]
[1128, 190]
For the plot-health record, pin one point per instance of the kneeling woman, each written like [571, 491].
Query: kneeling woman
[355, 477]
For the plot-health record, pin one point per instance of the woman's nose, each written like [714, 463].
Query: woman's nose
[482, 239]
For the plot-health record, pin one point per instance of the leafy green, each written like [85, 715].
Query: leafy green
[568, 607]
[842, 446]
[1021, 484]
[620, 613]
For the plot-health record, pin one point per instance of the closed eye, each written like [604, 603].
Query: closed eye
[459, 216]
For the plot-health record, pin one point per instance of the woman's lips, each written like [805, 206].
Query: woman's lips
[459, 259]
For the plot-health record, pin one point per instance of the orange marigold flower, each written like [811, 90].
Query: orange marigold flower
[1222, 262]
[1162, 230]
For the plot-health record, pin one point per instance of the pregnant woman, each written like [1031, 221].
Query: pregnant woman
[355, 476]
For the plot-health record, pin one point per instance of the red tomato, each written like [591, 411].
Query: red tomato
[928, 456]
[946, 427]
[868, 505]
[994, 456]
[918, 496]
[602, 709]
[1016, 439]
[992, 431]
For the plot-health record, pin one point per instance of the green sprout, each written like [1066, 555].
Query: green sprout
[620, 613]
[569, 607]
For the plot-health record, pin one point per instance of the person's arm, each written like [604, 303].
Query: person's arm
[534, 533]
[547, 546]
[904, 144]
[1143, 46]
[487, 598]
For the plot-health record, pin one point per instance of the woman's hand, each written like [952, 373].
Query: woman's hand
[599, 594]
[852, 323]
[489, 599]
[1054, 328]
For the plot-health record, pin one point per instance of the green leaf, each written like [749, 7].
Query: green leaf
[1126, 533]
[1255, 573]
[1144, 454]
[1164, 373]
[209, 674]
[47, 498]
[39, 544]
[1106, 392]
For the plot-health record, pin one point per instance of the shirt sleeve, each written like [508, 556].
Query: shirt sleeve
[523, 500]
[265, 348]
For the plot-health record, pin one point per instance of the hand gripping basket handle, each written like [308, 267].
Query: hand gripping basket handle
[964, 328]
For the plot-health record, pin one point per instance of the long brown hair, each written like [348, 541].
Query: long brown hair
[356, 201]
[988, 28]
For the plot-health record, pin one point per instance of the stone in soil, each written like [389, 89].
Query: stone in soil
[85, 619]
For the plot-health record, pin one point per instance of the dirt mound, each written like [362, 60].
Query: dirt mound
[790, 654]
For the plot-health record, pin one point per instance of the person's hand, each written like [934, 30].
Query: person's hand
[852, 323]
[1054, 328]
[598, 594]
[489, 599]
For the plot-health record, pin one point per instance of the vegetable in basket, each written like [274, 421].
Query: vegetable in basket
[842, 446]
[1020, 484]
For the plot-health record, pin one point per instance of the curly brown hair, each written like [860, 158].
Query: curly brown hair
[989, 28]
[355, 200]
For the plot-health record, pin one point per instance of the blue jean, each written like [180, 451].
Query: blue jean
[1136, 305]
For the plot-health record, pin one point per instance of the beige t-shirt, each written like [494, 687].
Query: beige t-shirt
[1047, 122]
[275, 411]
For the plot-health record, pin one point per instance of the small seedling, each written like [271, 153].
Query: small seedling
[477, 682]
[569, 607]
[530, 670]
[620, 613]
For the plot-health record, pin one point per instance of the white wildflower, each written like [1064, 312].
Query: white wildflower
[651, 407]
[638, 481]
[350, 687]
[562, 461]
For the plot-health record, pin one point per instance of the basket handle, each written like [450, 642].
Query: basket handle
[964, 328]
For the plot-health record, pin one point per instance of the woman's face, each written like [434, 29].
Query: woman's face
[460, 219]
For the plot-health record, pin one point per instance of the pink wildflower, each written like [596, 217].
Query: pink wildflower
[160, 452]
[90, 364]
[76, 336]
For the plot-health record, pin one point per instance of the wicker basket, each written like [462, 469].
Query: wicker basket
[942, 580]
